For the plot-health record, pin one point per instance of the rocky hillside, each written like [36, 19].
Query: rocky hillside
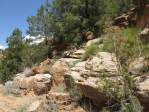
[75, 84]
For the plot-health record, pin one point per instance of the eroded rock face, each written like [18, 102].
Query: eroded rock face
[77, 54]
[58, 70]
[40, 83]
[144, 35]
[142, 90]
[43, 67]
[24, 82]
[103, 61]
[89, 35]
[85, 75]
[94, 41]
[139, 66]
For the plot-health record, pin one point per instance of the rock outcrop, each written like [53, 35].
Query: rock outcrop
[94, 41]
[142, 90]
[40, 83]
[85, 76]
[139, 66]
[58, 70]
[77, 54]
[144, 36]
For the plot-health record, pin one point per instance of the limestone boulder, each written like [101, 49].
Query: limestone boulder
[144, 35]
[142, 90]
[78, 54]
[89, 35]
[85, 76]
[58, 70]
[42, 83]
[70, 61]
[139, 66]
[103, 61]
[94, 41]
[24, 82]
[44, 67]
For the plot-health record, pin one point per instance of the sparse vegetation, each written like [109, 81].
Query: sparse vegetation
[12, 89]
[90, 51]
[126, 46]
[23, 108]
[61, 88]
[51, 106]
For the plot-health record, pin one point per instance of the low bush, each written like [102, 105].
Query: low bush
[90, 51]
[50, 106]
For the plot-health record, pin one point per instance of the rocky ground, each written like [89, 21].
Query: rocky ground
[41, 89]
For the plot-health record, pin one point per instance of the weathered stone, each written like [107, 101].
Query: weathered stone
[89, 35]
[42, 83]
[144, 35]
[103, 62]
[139, 66]
[58, 70]
[35, 106]
[80, 66]
[70, 61]
[44, 67]
[94, 41]
[78, 54]
[142, 91]
[24, 82]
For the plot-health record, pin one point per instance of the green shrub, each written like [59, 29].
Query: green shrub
[22, 108]
[120, 93]
[50, 106]
[61, 88]
[90, 51]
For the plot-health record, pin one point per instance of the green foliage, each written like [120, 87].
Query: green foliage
[22, 108]
[90, 51]
[20, 54]
[133, 106]
[126, 46]
[68, 21]
[61, 88]
[12, 63]
[51, 106]
[127, 42]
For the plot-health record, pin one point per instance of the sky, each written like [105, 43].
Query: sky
[13, 14]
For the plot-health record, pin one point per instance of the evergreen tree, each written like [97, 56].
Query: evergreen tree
[12, 63]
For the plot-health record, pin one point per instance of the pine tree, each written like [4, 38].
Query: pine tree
[12, 63]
